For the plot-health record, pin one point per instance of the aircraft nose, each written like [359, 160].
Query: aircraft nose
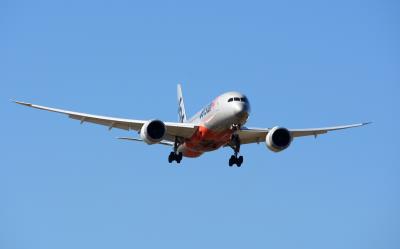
[240, 109]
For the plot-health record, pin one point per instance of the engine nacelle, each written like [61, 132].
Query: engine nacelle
[153, 131]
[278, 139]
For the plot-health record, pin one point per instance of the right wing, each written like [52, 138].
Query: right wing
[184, 130]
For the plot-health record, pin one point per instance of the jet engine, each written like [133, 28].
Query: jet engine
[153, 131]
[278, 139]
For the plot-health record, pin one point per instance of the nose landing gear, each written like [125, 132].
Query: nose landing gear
[235, 145]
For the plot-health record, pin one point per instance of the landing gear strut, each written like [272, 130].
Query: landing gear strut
[235, 145]
[175, 155]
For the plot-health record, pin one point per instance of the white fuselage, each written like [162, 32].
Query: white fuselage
[217, 122]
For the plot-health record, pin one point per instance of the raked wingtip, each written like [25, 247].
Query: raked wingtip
[21, 103]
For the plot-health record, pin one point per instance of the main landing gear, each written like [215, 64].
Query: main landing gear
[175, 155]
[235, 145]
[236, 160]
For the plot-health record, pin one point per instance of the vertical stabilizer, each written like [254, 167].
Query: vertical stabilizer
[181, 106]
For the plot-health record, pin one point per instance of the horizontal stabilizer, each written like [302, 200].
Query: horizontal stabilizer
[164, 142]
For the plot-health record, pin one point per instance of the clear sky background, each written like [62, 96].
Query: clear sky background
[301, 63]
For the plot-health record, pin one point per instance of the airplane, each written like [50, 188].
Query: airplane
[220, 124]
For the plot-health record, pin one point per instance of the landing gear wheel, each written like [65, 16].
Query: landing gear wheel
[232, 161]
[171, 157]
[239, 161]
[235, 160]
[175, 157]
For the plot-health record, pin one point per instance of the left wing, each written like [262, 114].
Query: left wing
[257, 135]
[184, 130]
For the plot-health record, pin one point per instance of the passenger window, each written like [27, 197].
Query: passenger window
[236, 99]
[230, 100]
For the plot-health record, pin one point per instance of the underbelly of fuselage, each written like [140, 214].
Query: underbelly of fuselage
[205, 140]
[214, 131]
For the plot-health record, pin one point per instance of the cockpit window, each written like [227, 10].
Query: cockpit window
[242, 99]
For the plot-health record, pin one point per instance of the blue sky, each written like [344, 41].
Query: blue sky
[301, 63]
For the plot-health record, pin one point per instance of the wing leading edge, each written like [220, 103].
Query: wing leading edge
[184, 130]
